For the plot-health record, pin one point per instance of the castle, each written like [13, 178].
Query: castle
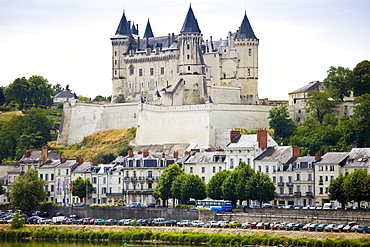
[180, 91]
[184, 69]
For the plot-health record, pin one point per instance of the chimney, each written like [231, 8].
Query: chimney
[94, 162]
[139, 152]
[175, 155]
[78, 160]
[296, 151]
[187, 153]
[138, 43]
[61, 159]
[195, 150]
[208, 150]
[130, 153]
[262, 138]
[317, 156]
[163, 155]
[146, 153]
[44, 154]
[169, 40]
[28, 153]
[234, 133]
[173, 37]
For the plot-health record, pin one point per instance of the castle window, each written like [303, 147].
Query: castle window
[115, 62]
[188, 56]
[115, 72]
[140, 72]
[188, 46]
[131, 69]
[151, 71]
[188, 68]
[162, 70]
[115, 53]
[249, 52]
[249, 72]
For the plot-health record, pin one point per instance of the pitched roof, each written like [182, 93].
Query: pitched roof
[148, 31]
[314, 85]
[190, 24]
[358, 157]
[134, 29]
[282, 154]
[205, 157]
[248, 141]
[245, 30]
[36, 156]
[66, 94]
[333, 158]
[123, 28]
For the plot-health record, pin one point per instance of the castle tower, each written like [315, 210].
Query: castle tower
[121, 42]
[246, 44]
[191, 63]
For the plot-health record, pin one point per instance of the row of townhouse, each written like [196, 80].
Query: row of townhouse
[133, 178]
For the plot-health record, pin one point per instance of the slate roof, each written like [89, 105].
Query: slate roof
[282, 154]
[315, 85]
[148, 31]
[333, 158]
[304, 161]
[205, 157]
[190, 24]
[134, 29]
[358, 157]
[83, 167]
[36, 156]
[248, 141]
[245, 30]
[123, 28]
[50, 164]
[66, 94]
[15, 171]
[67, 163]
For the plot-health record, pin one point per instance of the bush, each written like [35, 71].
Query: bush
[18, 221]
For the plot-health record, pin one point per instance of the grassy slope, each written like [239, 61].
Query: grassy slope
[6, 116]
[109, 141]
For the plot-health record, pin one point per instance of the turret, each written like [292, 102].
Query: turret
[121, 42]
[191, 63]
[246, 44]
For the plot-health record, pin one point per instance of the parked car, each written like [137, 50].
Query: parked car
[128, 222]
[111, 222]
[321, 227]
[197, 223]
[246, 225]
[184, 223]
[71, 221]
[298, 227]
[289, 226]
[170, 223]
[211, 224]
[313, 227]
[339, 228]
[99, 222]
[223, 223]
[305, 227]
[362, 229]
[330, 227]
[234, 224]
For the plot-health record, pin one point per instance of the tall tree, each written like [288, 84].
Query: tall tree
[18, 91]
[245, 172]
[356, 186]
[229, 187]
[281, 122]
[361, 81]
[188, 186]
[261, 188]
[28, 191]
[2, 96]
[214, 186]
[320, 104]
[361, 120]
[336, 190]
[40, 91]
[82, 188]
[339, 82]
[163, 189]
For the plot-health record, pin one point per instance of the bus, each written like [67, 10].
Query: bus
[215, 205]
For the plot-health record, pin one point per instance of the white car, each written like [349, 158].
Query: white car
[184, 223]
[197, 223]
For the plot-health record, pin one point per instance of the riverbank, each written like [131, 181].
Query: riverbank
[231, 231]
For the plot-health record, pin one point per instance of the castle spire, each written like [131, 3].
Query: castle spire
[134, 29]
[123, 27]
[148, 31]
[245, 30]
[190, 23]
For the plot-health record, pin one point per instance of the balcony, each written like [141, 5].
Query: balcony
[321, 182]
[297, 194]
[289, 184]
[134, 178]
[309, 194]
[141, 178]
[114, 194]
[127, 178]
[280, 184]
[149, 178]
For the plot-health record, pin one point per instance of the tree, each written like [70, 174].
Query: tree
[17, 91]
[356, 187]
[28, 191]
[2, 190]
[281, 122]
[187, 186]
[214, 186]
[261, 188]
[361, 81]
[361, 120]
[163, 189]
[82, 187]
[83, 98]
[2, 96]
[229, 187]
[57, 89]
[319, 104]
[339, 82]
[18, 221]
[28, 131]
[336, 190]
[244, 172]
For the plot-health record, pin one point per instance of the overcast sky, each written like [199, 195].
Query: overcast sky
[68, 41]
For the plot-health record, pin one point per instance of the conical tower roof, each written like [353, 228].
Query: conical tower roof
[134, 30]
[123, 28]
[190, 23]
[148, 31]
[245, 30]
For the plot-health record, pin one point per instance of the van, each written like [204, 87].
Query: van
[58, 219]
[327, 206]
